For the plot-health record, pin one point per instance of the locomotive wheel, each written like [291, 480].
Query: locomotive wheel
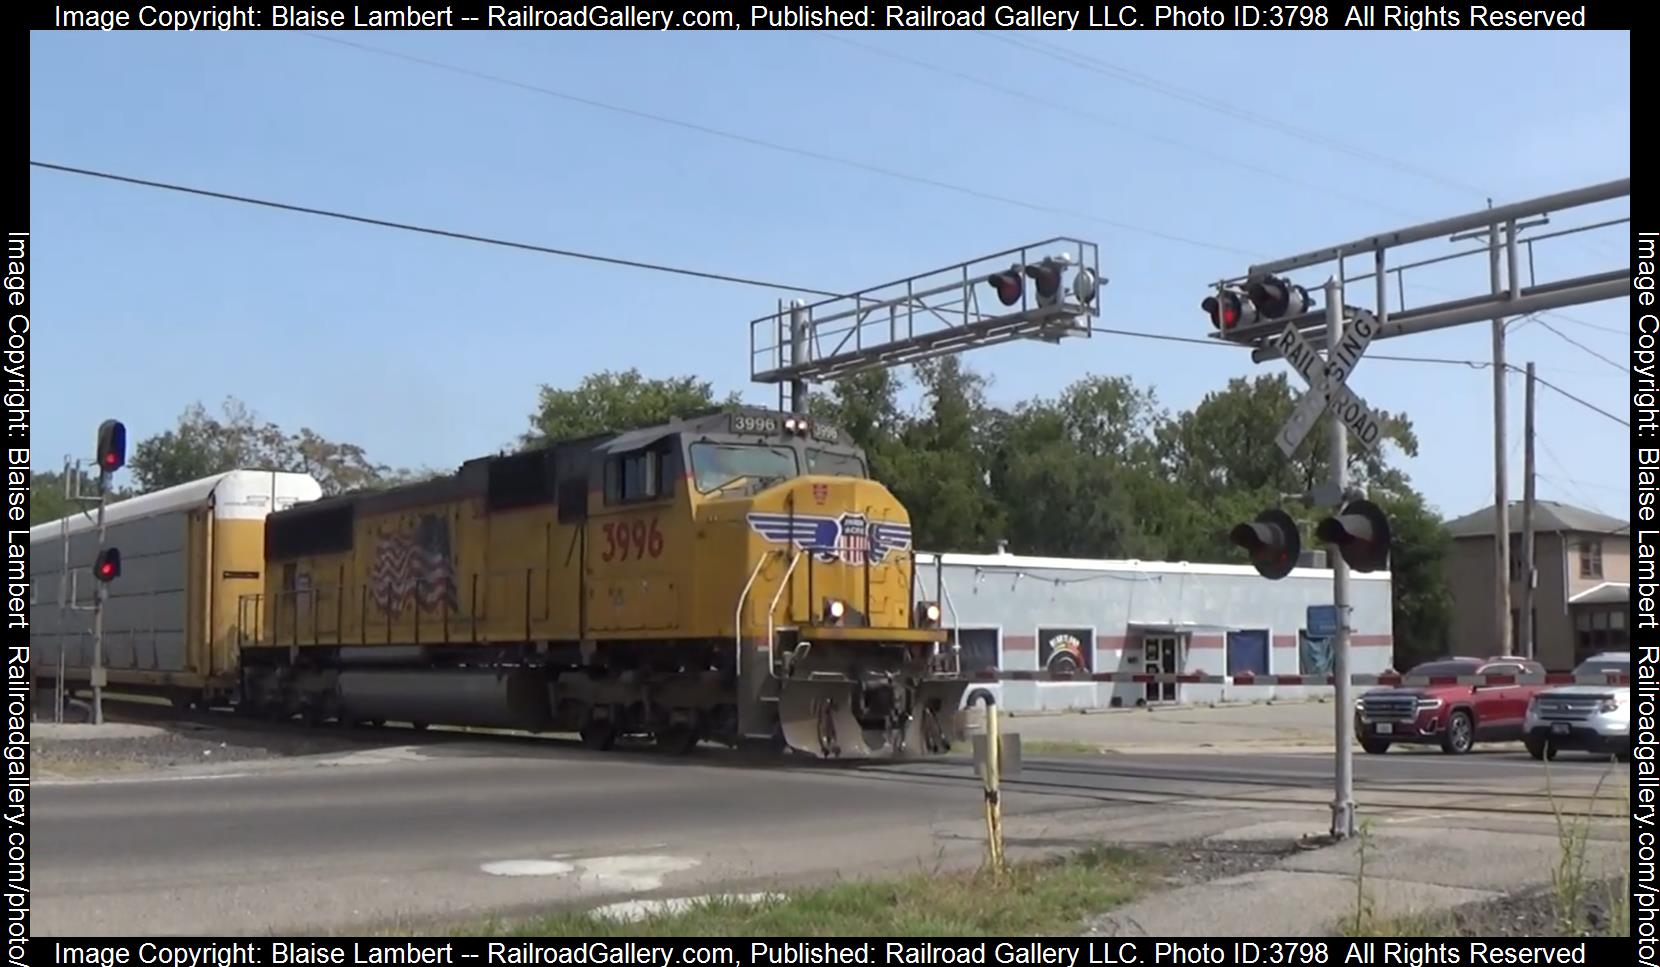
[677, 741]
[599, 736]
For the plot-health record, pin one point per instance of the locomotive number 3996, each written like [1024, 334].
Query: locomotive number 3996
[636, 538]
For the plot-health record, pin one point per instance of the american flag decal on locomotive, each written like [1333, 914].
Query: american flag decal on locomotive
[850, 538]
[413, 567]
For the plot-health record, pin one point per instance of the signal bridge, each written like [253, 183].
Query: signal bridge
[1045, 291]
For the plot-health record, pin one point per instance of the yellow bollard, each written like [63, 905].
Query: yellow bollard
[993, 777]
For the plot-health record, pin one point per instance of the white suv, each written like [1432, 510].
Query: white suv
[1595, 718]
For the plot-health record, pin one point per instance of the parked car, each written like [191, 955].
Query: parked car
[1452, 716]
[1592, 718]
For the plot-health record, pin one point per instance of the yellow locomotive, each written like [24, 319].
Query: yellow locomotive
[731, 576]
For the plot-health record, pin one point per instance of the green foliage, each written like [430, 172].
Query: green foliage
[608, 401]
[1102, 471]
[49, 502]
[201, 445]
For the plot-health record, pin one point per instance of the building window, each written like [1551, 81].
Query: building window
[979, 649]
[1590, 559]
[1599, 631]
[1066, 649]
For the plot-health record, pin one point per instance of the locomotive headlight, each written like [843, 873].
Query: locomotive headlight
[928, 612]
[834, 609]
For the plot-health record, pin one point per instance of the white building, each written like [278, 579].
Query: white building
[1025, 613]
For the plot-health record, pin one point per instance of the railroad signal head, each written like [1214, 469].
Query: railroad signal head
[1361, 532]
[1047, 276]
[112, 446]
[1229, 310]
[108, 565]
[1272, 541]
[1008, 285]
[1277, 298]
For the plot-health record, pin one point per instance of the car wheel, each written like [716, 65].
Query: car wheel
[1374, 746]
[1539, 748]
[1460, 735]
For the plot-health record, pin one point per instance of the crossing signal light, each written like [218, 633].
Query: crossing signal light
[1047, 276]
[108, 566]
[1229, 310]
[1008, 285]
[1277, 298]
[1272, 541]
[112, 446]
[1361, 532]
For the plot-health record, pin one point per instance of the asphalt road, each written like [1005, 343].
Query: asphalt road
[460, 828]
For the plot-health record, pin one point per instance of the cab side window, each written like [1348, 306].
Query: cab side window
[641, 475]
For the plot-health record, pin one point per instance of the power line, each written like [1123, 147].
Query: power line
[1589, 325]
[1100, 66]
[1073, 111]
[1469, 363]
[1574, 342]
[1594, 408]
[424, 230]
[779, 147]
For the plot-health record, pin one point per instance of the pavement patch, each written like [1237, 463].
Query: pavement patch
[623, 873]
[528, 868]
[1271, 903]
[638, 874]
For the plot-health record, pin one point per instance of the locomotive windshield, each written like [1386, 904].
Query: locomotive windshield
[829, 464]
[716, 466]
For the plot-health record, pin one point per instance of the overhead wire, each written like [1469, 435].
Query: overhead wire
[1074, 112]
[422, 229]
[1579, 345]
[777, 146]
[657, 267]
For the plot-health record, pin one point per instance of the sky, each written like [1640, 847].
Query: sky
[1167, 150]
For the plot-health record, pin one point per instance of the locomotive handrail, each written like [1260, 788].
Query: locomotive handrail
[956, 640]
[772, 611]
[738, 618]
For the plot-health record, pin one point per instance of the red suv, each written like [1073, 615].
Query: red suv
[1451, 715]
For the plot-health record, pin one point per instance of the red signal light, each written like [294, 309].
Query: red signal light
[112, 445]
[108, 565]
[1008, 286]
[1048, 278]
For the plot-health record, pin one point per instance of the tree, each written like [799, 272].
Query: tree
[201, 445]
[609, 401]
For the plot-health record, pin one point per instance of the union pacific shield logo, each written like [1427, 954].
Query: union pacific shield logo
[850, 538]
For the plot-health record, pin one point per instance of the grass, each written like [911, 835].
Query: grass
[1030, 899]
[1572, 887]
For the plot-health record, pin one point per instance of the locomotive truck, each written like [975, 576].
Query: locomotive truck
[734, 576]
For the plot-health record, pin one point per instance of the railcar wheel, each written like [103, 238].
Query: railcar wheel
[599, 736]
[677, 741]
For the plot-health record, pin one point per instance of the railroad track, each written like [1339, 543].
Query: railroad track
[1606, 804]
[1040, 776]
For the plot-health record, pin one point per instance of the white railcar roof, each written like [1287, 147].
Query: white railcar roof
[1021, 562]
[236, 495]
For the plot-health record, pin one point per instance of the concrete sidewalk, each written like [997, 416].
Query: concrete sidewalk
[1409, 871]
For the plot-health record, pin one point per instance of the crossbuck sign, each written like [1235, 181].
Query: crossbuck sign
[1328, 384]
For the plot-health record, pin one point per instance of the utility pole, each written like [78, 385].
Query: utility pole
[1343, 805]
[1527, 649]
[1501, 486]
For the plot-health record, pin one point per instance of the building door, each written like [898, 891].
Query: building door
[1161, 655]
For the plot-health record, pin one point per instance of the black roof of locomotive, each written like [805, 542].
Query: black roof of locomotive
[471, 479]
